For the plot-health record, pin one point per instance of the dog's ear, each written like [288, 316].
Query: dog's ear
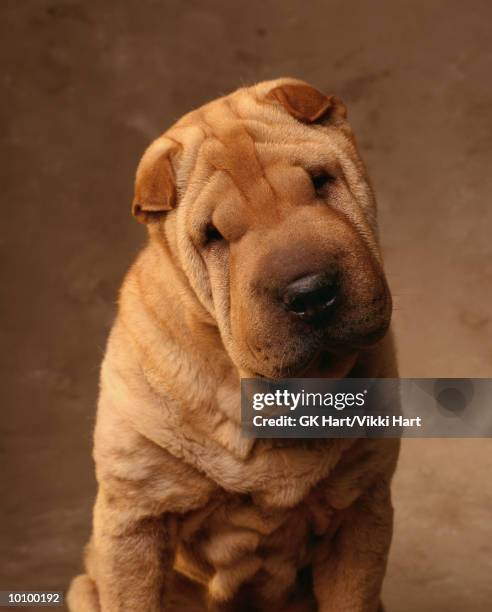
[155, 184]
[307, 104]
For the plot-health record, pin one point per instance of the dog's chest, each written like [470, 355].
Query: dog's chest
[234, 541]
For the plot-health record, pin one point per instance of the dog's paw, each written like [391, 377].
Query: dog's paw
[82, 595]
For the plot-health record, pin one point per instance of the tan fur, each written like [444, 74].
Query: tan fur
[189, 514]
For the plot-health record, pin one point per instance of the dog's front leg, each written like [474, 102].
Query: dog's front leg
[128, 558]
[349, 569]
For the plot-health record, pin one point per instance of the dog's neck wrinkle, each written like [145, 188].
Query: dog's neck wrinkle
[195, 347]
[177, 310]
[193, 316]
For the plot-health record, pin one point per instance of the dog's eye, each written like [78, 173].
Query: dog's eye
[212, 234]
[320, 180]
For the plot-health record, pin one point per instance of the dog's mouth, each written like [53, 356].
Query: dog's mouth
[328, 365]
[307, 351]
[324, 364]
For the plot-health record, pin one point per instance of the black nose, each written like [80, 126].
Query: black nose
[310, 297]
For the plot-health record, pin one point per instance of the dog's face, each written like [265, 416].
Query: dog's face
[263, 202]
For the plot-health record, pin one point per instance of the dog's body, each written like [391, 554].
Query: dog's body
[258, 524]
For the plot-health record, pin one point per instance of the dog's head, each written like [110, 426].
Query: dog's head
[264, 203]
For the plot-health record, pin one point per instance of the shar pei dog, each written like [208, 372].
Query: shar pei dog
[262, 261]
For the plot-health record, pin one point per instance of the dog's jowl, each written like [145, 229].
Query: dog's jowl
[262, 260]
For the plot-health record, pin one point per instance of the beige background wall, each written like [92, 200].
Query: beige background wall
[87, 84]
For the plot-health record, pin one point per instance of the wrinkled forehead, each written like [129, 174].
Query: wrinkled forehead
[244, 139]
